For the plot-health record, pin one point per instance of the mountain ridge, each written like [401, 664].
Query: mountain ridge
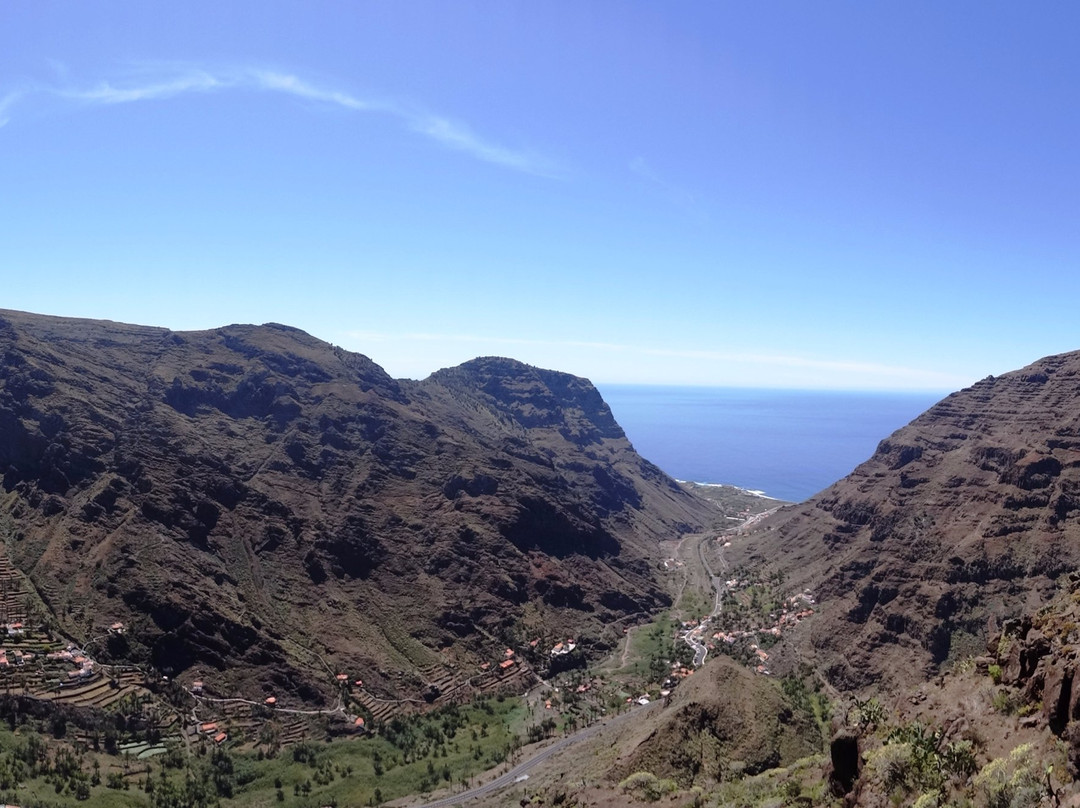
[965, 514]
[194, 483]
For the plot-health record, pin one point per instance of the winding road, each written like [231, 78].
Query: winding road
[504, 780]
[694, 636]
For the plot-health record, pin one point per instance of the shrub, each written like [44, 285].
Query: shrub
[646, 786]
[995, 673]
[1011, 782]
[1004, 703]
[893, 762]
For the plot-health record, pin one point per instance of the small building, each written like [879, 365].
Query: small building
[506, 664]
[220, 738]
[270, 701]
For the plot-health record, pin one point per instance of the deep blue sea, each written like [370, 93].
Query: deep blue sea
[789, 444]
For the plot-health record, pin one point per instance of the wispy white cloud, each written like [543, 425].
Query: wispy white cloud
[6, 102]
[107, 93]
[173, 82]
[868, 373]
[801, 362]
[674, 193]
[459, 137]
[293, 85]
[379, 336]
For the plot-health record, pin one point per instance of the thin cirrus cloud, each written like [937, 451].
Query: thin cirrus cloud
[883, 375]
[681, 197]
[376, 336]
[440, 129]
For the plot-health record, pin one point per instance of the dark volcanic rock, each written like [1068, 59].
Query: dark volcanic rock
[968, 513]
[248, 497]
[845, 760]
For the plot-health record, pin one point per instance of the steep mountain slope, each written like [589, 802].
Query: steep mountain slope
[968, 513]
[264, 508]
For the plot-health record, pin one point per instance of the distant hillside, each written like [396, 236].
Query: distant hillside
[264, 509]
[969, 512]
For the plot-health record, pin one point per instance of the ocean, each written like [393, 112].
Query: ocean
[789, 444]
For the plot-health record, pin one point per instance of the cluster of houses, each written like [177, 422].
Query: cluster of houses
[212, 731]
[795, 609]
[72, 655]
[17, 658]
[510, 658]
[15, 629]
[507, 662]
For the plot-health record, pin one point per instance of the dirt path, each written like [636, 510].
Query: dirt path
[626, 647]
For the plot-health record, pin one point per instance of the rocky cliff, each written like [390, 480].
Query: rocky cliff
[970, 511]
[263, 507]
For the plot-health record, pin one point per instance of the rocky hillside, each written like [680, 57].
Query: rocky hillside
[724, 721]
[969, 512]
[263, 509]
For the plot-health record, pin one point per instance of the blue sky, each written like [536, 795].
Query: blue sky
[833, 194]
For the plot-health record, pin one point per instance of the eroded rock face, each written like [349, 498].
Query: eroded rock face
[968, 513]
[242, 494]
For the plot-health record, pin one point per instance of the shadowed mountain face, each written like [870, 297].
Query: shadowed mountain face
[970, 511]
[250, 497]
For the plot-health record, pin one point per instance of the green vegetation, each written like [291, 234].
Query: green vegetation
[695, 604]
[808, 700]
[647, 786]
[915, 759]
[445, 748]
[652, 649]
[1011, 782]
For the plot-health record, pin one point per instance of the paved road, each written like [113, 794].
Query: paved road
[693, 637]
[503, 780]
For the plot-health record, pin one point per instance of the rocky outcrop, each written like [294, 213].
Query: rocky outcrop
[250, 499]
[1038, 665]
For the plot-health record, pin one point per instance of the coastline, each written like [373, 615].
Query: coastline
[749, 491]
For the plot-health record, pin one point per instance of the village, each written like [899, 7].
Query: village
[549, 686]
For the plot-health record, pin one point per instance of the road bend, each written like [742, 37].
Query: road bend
[509, 778]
